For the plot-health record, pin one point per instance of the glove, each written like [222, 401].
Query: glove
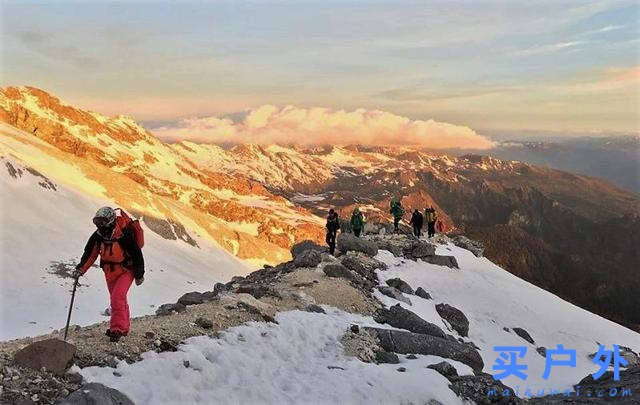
[76, 273]
[139, 281]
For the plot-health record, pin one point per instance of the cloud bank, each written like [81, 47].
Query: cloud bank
[291, 125]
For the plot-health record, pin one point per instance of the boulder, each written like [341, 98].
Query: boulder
[208, 296]
[286, 267]
[399, 317]
[54, 354]
[399, 244]
[337, 270]
[473, 246]
[361, 345]
[219, 288]
[168, 309]
[606, 384]
[383, 357]
[385, 243]
[632, 358]
[96, 394]
[362, 264]
[398, 341]
[421, 249]
[328, 258]
[629, 378]
[315, 308]
[305, 245]
[257, 290]
[233, 283]
[406, 246]
[204, 323]
[191, 298]
[249, 304]
[420, 292]
[348, 242]
[307, 258]
[475, 388]
[626, 353]
[400, 285]
[455, 317]
[523, 334]
[444, 368]
[393, 293]
[448, 261]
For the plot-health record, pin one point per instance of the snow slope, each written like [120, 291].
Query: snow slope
[492, 298]
[289, 362]
[48, 225]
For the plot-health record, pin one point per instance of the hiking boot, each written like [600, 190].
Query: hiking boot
[115, 335]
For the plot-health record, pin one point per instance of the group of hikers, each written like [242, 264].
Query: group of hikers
[397, 212]
[118, 242]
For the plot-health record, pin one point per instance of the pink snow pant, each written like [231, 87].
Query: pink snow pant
[118, 289]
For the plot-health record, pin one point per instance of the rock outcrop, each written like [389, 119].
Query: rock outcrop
[420, 292]
[408, 342]
[444, 368]
[96, 394]
[394, 293]
[54, 355]
[524, 334]
[412, 248]
[473, 246]
[305, 245]
[399, 317]
[400, 285]
[455, 317]
[482, 388]
[348, 242]
[307, 258]
[447, 261]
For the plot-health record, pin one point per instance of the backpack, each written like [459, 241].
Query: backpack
[397, 210]
[125, 221]
[333, 222]
[357, 221]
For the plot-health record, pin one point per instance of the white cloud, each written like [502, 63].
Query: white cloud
[550, 48]
[288, 125]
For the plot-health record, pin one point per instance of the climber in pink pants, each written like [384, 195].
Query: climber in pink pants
[118, 290]
[117, 241]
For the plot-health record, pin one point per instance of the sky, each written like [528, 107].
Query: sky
[549, 65]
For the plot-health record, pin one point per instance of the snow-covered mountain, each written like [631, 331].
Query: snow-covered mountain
[211, 213]
[117, 160]
[566, 233]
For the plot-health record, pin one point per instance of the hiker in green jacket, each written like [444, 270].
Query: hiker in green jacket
[357, 221]
[398, 212]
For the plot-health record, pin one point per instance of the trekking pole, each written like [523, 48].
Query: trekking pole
[73, 296]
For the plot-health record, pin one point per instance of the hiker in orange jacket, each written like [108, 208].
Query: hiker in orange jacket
[119, 248]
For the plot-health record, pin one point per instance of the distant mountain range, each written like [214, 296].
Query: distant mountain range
[613, 158]
[573, 235]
